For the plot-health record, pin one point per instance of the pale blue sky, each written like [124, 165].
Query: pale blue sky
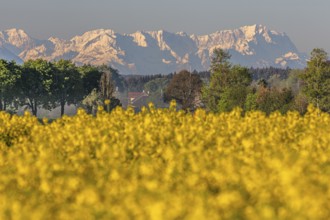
[305, 21]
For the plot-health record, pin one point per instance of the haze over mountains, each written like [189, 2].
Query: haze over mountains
[152, 52]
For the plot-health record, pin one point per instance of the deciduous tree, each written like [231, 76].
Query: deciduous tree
[10, 72]
[185, 88]
[67, 87]
[36, 85]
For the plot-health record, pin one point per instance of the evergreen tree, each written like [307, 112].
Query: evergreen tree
[228, 84]
[317, 80]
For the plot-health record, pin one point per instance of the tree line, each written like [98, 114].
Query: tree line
[42, 84]
[267, 90]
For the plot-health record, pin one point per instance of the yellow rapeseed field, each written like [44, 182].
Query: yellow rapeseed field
[164, 164]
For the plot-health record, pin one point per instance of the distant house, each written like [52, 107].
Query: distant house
[137, 99]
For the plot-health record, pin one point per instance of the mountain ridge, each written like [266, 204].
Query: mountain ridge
[151, 52]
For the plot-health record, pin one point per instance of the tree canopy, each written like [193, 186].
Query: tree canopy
[10, 73]
[185, 88]
[228, 83]
[317, 80]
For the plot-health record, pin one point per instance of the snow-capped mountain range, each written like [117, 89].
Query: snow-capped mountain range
[152, 52]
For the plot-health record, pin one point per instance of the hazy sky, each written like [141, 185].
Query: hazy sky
[305, 21]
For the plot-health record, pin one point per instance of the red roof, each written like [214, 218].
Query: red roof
[134, 95]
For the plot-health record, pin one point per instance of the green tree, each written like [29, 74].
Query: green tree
[220, 69]
[117, 80]
[220, 62]
[300, 103]
[36, 85]
[317, 80]
[91, 101]
[67, 86]
[269, 100]
[99, 87]
[91, 76]
[294, 81]
[228, 85]
[232, 97]
[107, 89]
[185, 88]
[251, 102]
[10, 72]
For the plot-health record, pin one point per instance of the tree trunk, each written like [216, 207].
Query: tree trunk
[34, 108]
[34, 111]
[62, 107]
[1, 107]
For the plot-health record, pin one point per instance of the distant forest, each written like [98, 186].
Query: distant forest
[137, 82]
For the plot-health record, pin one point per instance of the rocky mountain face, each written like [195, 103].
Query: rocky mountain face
[152, 52]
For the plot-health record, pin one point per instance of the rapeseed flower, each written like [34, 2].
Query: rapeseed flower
[166, 164]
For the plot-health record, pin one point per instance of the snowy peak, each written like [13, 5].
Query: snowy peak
[13, 42]
[150, 52]
[140, 39]
[253, 30]
[96, 33]
[16, 37]
[239, 39]
[100, 35]
[17, 34]
[250, 32]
